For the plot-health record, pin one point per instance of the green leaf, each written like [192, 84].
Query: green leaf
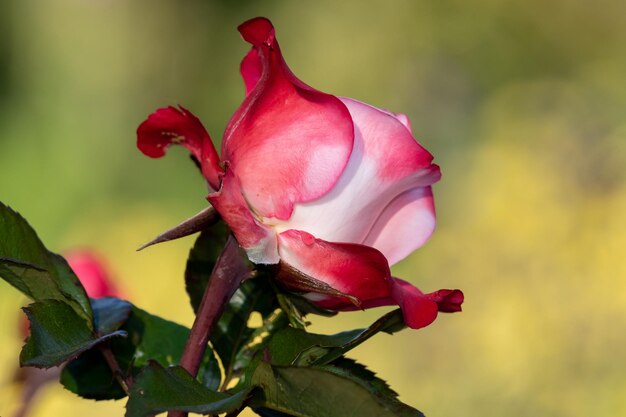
[390, 323]
[57, 334]
[292, 346]
[202, 259]
[26, 264]
[158, 389]
[231, 332]
[350, 368]
[315, 392]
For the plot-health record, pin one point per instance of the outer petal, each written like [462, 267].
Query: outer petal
[258, 241]
[404, 119]
[355, 270]
[401, 117]
[251, 70]
[386, 162]
[362, 273]
[404, 225]
[287, 143]
[170, 125]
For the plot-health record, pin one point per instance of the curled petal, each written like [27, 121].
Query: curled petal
[421, 309]
[387, 164]
[287, 142]
[361, 276]
[258, 241]
[178, 126]
[358, 271]
[418, 310]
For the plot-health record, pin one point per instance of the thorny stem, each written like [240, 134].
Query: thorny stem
[228, 273]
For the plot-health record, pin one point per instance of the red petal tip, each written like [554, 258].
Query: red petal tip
[258, 31]
[448, 301]
[178, 126]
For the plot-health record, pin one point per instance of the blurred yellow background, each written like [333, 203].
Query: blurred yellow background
[523, 104]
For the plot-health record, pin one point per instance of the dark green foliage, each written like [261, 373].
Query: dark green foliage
[158, 389]
[280, 368]
[352, 369]
[292, 346]
[210, 374]
[316, 392]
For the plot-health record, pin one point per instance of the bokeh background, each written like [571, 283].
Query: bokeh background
[523, 104]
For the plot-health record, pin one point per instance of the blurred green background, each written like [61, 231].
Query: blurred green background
[523, 104]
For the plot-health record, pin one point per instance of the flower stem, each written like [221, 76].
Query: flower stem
[229, 271]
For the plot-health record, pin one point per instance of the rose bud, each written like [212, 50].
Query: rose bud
[331, 189]
[93, 273]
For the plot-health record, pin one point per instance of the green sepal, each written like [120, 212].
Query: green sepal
[292, 346]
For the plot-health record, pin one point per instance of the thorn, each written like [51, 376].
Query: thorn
[194, 224]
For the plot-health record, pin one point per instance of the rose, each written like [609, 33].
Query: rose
[330, 189]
